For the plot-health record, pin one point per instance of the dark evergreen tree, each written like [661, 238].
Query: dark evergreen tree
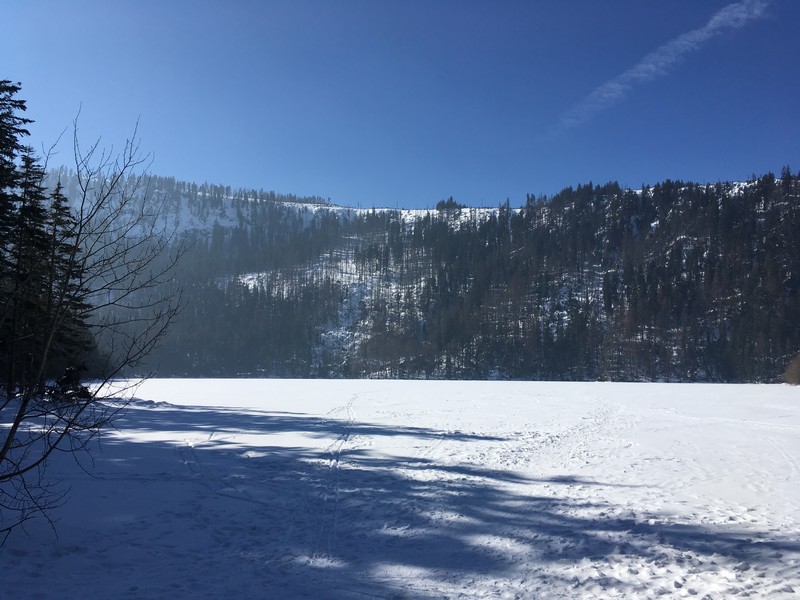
[67, 278]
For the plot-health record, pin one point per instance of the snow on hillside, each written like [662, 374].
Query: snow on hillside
[386, 489]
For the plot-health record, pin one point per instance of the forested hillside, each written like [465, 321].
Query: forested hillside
[677, 281]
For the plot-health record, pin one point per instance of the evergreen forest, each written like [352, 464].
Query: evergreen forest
[673, 282]
[676, 281]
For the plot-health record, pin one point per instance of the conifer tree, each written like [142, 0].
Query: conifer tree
[68, 278]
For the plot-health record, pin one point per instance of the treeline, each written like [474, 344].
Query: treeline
[85, 269]
[678, 281]
[42, 289]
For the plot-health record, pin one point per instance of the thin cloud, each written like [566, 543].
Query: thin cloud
[660, 61]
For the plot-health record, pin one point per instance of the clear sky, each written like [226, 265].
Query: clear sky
[404, 103]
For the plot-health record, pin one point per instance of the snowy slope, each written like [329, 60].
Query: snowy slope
[386, 489]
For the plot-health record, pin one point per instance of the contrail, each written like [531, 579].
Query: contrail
[660, 61]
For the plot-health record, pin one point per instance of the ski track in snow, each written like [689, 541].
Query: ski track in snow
[330, 492]
[386, 489]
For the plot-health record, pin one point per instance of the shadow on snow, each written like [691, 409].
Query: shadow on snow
[330, 523]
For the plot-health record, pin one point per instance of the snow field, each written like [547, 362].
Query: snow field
[410, 489]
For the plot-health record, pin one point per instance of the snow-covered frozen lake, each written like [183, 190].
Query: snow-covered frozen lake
[387, 489]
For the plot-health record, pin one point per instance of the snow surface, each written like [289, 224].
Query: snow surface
[387, 489]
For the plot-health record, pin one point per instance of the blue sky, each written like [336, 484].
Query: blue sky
[404, 103]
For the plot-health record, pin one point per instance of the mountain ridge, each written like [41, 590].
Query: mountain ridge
[675, 282]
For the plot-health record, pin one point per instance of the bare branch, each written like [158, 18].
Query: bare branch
[117, 283]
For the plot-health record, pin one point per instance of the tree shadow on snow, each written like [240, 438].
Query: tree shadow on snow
[346, 522]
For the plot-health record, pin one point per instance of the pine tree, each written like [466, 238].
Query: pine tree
[27, 248]
[12, 130]
[65, 297]
[66, 280]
